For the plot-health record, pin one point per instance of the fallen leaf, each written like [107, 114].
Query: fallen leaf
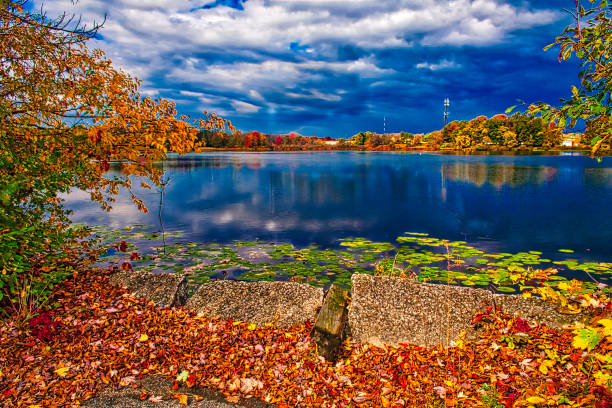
[182, 376]
[62, 372]
[182, 398]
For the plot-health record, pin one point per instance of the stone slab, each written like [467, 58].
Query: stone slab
[283, 304]
[536, 310]
[165, 289]
[389, 310]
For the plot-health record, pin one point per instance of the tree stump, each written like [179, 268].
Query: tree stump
[330, 323]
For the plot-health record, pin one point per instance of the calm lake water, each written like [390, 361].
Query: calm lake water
[500, 203]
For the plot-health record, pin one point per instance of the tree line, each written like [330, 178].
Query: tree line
[481, 133]
[255, 140]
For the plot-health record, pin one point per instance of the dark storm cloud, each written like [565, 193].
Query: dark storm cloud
[336, 67]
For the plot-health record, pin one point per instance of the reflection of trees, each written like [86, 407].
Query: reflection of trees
[498, 174]
[598, 177]
[188, 163]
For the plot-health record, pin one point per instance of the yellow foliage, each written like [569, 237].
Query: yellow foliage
[535, 400]
[546, 365]
[62, 372]
[606, 324]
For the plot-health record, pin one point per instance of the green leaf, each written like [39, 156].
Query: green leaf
[510, 109]
[586, 338]
[183, 376]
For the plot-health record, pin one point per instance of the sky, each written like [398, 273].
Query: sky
[335, 67]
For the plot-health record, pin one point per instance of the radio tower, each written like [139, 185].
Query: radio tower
[446, 105]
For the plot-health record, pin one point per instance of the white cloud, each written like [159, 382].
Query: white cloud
[270, 74]
[255, 95]
[245, 107]
[276, 46]
[442, 65]
[155, 26]
[314, 94]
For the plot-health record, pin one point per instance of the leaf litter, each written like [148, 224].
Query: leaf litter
[102, 337]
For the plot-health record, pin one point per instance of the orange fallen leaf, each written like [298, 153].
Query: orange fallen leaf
[182, 398]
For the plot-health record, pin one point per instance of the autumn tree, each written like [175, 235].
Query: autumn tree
[529, 131]
[596, 129]
[495, 126]
[65, 114]
[589, 38]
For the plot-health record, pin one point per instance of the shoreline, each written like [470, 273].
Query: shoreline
[458, 152]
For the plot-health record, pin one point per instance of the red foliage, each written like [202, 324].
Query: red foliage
[521, 325]
[248, 141]
[279, 140]
[123, 246]
[44, 327]
[105, 165]
[500, 116]
[97, 138]
[453, 126]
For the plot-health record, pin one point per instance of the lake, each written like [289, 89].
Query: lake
[495, 203]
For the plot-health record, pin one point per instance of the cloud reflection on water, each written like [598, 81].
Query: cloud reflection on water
[508, 202]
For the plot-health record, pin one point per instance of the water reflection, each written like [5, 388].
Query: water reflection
[598, 177]
[509, 203]
[498, 174]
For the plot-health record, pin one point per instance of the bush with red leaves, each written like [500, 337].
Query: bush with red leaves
[43, 326]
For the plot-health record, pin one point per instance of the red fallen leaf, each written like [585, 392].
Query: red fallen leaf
[575, 356]
[126, 266]
[134, 256]
[123, 246]
[44, 327]
[521, 325]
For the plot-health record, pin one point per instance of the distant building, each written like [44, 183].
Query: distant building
[572, 140]
[331, 142]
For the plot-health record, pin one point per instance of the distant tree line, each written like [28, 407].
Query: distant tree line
[500, 131]
[255, 140]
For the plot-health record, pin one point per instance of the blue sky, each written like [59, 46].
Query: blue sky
[336, 67]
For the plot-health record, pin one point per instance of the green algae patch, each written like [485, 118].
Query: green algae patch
[412, 255]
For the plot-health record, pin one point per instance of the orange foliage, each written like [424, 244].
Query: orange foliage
[499, 116]
[66, 105]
